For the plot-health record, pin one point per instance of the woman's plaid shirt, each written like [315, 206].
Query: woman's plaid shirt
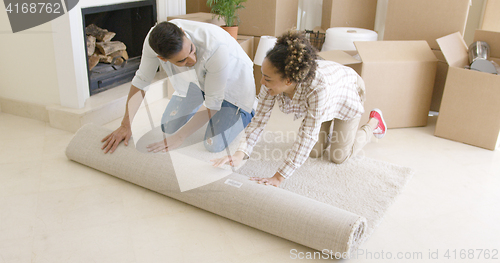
[333, 94]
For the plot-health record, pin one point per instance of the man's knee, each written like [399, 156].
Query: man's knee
[213, 145]
[168, 129]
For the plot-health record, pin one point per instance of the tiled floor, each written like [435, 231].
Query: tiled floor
[54, 210]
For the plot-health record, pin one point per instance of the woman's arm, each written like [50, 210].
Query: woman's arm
[253, 131]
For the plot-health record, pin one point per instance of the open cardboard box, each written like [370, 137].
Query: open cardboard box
[246, 42]
[426, 20]
[441, 73]
[470, 108]
[399, 79]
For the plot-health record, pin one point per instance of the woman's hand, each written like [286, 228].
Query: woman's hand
[234, 160]
[165, 145]
[274, 181]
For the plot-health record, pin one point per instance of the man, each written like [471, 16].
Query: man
[213, 81]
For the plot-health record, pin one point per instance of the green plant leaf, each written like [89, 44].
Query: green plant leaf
[226, 9]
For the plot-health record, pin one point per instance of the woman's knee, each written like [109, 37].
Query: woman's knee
[315, 153]
[318, 150]
[339, 160]
[339, 156]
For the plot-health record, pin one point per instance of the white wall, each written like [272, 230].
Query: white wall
[175, 8]
[380, 17]
[27, 63]
[309, 14]
[474, 20]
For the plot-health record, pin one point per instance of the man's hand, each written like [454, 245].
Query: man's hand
[123, 133]
[274, 181]
[234, 160]
[167, 144]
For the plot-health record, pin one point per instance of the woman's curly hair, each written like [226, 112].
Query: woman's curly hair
[294, 57]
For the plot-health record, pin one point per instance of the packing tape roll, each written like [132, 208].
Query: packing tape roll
[266, 43]
[343, 38]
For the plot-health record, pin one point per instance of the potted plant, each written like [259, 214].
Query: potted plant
[228, 11]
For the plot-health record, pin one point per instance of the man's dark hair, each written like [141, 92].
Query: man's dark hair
[166, 39]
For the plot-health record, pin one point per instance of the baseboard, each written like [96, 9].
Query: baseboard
[73, 119]
[99, 109]
[24, 109]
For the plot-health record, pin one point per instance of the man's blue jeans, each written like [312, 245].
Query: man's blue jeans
[229, 120]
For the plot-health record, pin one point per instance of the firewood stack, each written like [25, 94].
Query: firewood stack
[102, 49]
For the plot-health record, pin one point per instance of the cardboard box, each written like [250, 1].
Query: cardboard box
[268, 17]
[491, 19]
[344, 58]
[440, 80]
[195, 6]
[256, 41]
[425, 19]
[257, 70]
[246, 42]
[200, 17]
[349, 13]
[399, 79]
[470, 108]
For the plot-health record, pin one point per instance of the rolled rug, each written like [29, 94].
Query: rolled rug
[273, 210]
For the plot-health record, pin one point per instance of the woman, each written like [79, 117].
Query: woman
[328, 95]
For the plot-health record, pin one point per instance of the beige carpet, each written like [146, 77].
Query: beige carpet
[362, 185]
[323, 206]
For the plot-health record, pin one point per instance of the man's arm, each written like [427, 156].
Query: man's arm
[124, 132]
[143, 77]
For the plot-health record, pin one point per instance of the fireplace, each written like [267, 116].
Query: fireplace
[131, 22]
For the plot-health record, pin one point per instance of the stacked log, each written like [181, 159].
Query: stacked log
[121, 56]
[100, 48]
[90, 44]
[100, 34]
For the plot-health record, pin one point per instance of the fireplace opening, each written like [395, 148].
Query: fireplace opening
[117, 62]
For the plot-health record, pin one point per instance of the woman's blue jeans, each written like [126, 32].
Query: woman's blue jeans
[222, 128]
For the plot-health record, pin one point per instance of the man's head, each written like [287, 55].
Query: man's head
[171, 44]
